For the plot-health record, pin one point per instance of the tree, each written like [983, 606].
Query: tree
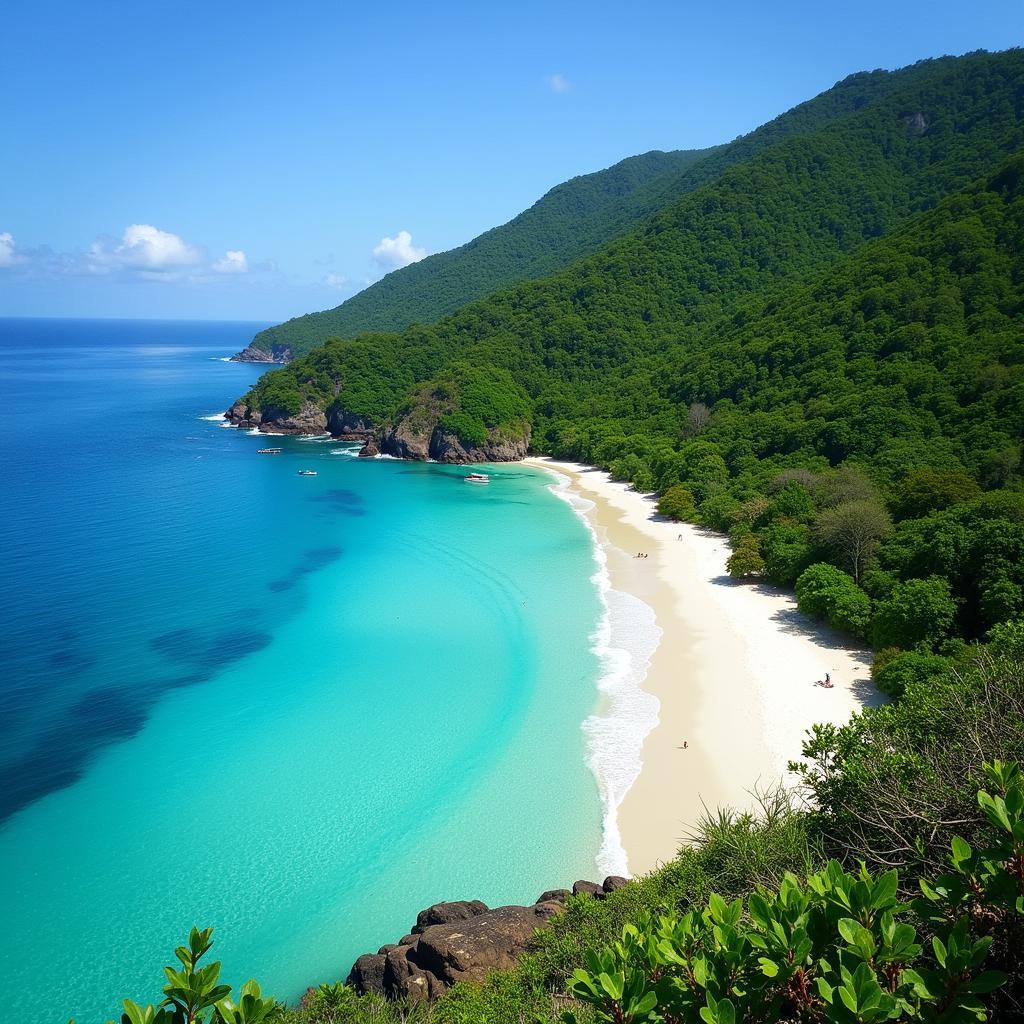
[927, 490]
[829, 593]
[853, 529]
[917, 614]
[746, 558]
[698, 416]
[677, 503]
[906, 669]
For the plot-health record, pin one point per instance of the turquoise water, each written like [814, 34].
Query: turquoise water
[297, 709]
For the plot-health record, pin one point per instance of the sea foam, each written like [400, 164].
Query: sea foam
[624, 641]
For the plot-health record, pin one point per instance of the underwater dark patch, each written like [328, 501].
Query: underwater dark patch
[178, 644]
[345, 502]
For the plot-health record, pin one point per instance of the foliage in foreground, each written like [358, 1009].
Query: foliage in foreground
[840, 948]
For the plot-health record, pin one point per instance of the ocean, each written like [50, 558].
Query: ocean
[297, 709]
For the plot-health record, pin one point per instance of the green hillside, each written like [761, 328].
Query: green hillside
[821, 311]
[570, 221]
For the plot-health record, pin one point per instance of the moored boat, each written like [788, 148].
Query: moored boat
[477, 478]
[269, 451]
[307, 472]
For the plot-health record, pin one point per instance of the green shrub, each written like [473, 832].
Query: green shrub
[830, 594]
[841, 948]
[677, 503]
[917, 613]
[746, 559]
[905, 669]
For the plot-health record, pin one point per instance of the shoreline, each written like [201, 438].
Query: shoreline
[732, 674]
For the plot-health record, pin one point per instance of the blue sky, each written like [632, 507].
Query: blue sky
[256, 161]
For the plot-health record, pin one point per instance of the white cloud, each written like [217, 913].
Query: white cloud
[144, 248]
[339, 281]
[396, 252]
[558, 83]
[7, 255]
[232, 262]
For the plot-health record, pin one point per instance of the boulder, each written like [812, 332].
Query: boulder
[446, 913]
[469, 950]
[370, 449]
[613, 882]
[367, 974]
[584, 888]
[387, 947]
[554, 896]
[405, 979]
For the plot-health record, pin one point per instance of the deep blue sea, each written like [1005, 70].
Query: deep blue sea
[298, 709]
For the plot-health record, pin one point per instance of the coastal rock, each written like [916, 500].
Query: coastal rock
[367, 974]
[425, 429]
[251, 354]
[613, 882]
[310, 419]
[585, 888]
[499, 447]
[470, 950]
[446, 913]
[346, 425]
[554, 896]
[419, 439]
[453, 941]
[405, 979]
[369, 450]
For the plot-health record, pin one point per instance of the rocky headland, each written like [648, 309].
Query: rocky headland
[424, 429]
[463, 940]
[279, 354]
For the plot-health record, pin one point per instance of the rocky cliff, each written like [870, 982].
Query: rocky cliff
[434, 425]
[461, 941]
[310, 419]
[250, 354]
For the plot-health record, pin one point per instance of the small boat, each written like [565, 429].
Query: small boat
[477, 478]
[307, 472]
[269, 451]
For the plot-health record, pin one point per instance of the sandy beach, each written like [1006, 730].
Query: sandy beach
[733, 674]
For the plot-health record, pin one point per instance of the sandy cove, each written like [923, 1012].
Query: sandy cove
[734, 672]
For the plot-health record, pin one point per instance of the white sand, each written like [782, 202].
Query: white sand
[734, 672]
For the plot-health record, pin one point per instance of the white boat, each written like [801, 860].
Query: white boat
[307, 472]
[269, 451]
[477, 478]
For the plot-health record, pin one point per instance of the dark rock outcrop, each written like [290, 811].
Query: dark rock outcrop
[421, 438]
[347, 426]
[554, 896]
[369, 450]
[251, 354]
[469, 950]
[367, 974]
[461, 940]
[447, 913]
[310, 419]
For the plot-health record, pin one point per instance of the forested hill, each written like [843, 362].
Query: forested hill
[570, 221]
[848, 296]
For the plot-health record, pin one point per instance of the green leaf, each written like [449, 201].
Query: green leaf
[987, 981]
